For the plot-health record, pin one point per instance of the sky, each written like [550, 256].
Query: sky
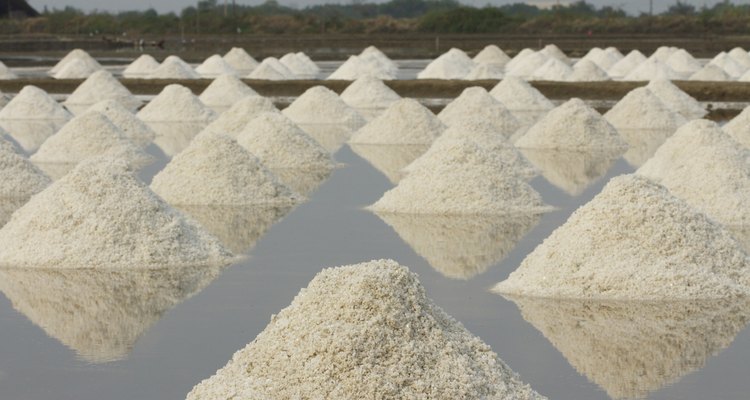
[630, 6]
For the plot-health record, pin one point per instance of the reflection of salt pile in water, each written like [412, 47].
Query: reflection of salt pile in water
[240, 60]
[215, 170]
[524, 101]
[676, 99]
[633, 348]
[634, 241]
[214, 67]
[100, 86]
[32, 116]
[572, 171]
[75, 65]
[739, 127]
[453, 64]
[134, 129]
[704, 166]
[404, 122]
[492, 55]
[271, 69]
[173, 67]
[101, 216]
[233, 121]
[141, 67]
[100, 314]
[369, 96]
[19, 179]
[224, 91]
[364, 331]
[390, 159]
[626, 65]
[477, 103]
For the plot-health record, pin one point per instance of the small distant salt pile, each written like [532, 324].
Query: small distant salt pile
[364, 331]
[271, 69]
[233, 121]
[528, 65]
[299, 65]
[176, 103]
[320, 105]
[745, 77]
[101, 85]
[740, 56]
[641, 109]
[76, 69]
[224, 91]
[552, 50]
[634, 241]
[518, 58]
[215, 66]
[552, 70]
[477, 102]
[739, 127]
[33, 103]
[141, 67]
[588, 71]
[523, 100]
[675, 98]
[625, 66]
[572, 126]
[404, 122]
[651, 69]
[216, 170]
[369, 96]
[386, 64]
[6, 73]
[19, 178]
[663, 53]
[493, 55]
[683, 63]
[711, 72]
[240, 60]
[704, 166]
[134, 129]
[355, 67]
[729, 65]
[454, 64]
[485, 71]
[101, 216]
[603, 58]
[173, 67]
[85, 62]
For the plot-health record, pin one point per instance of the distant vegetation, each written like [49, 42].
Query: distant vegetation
[395, 16]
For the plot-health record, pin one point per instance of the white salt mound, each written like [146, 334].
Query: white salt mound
[740, 56]
[298, 65]
[552, 70]
[101, 216]
[271, 69]
[19, 178]
[727, 63]
[320, 105]
[311, 66]
[404, 122]
[215, 170]
[369, 93]
[704, 166]
[173, 67]
[518, 57]
[214, 66]
[492, 54]
[518, 95]
[652, 69]
[386, 63]
[485, 71]
[134, 129]
[101, 85]
[141, 67]
[711, 72]
[176, 103]
[224, 91]
[676, 99]
[6, 73]
[641, 109]
[745, 77]
[233, 121]
[527, 65]
[739, 127]
[364, 331]
[477, 102]
[634, 241]
[240, 60]
[76, 54]
[75, 69]
[663, 53]
[279, 143]
[588, 71]
[683, 63]
[358, 66]
[552, 50]
[453, 64]
[572, 126]
[33, 103]
[623, 67]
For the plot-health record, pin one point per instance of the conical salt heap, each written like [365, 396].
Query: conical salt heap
[315, 69]
[101, 216]
[475, 101]
[364, 331]
[141, 67]
[572, 126]
[19, 178]
[739, 127]
[76, 69]
[224, 91]
[526, 66]
[634, 241]
[633, 348]
[240, 60]
[375, 53]
[405, 122]
[271, 69]
[663, 53]
[369, 93]
[320, 105]
[173, 67]
[215, 170]
[652, 69]
[300, 66]
[33, 103]
[101, 85]
[485, 71]
[641, 109]
[76, 54]
[134, 129]
[553, 51]
[356, 67]
[6, 73]
[625, 66]
[492, 54]
[523, 100]
[704, 166]
[176, 103]
[711, 72]
[552, 70]
[214, 67]
[683, 63]
[233, 121]
[588, 71]
[518, 58]
[740, 56]
[727, 63]
[453, 64]
[675, 98]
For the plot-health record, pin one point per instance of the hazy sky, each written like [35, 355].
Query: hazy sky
[631, 6]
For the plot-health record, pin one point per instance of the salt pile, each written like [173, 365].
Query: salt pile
[173, 67]
[675, 98]
[101, 216]
[372, 52]
[740, 56]
[358, 66]
[320, 105]
[101, 85]
[739, 128]
[553, 51]
[224, 91]
[727, 63]
[6, 73]
[75, 69]
[663, 53]
[454, 64]
[745, 77]
[518, 58]
[572, 126]
[552, 70]
[404, 122]
[605, 59]
[588, 71]
[33, 103]
[485, 71]
[364, 331]
[134, 129]
[641, 109]
[527, 65]
[19, 178]
[176, 103]
[271, 69]
[477, 103]
[493, 55]
[232, 121]
[523, 100]
[215, 66]
[652, 68]
[623, 67]
[711, 72]
[704, 166]
[279, 143]
[85, 61]
[299, 65]
[634, 241]
[369, 93]
[242, 62]
[141, 67]
[215, 170]
[683, 63]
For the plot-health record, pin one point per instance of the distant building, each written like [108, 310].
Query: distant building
[16, 9]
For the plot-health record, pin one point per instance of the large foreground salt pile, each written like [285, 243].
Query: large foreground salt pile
[404, 122]
[224, 91]
[141, 67]
[82, 61]
[572, 126]
[523, 100]
[19, 178]
[634, 241]
[232, 121]
[676, 99]
[475, 102]
[215, 170]
[369, 93]
[176, 103]
[739, 127]
[320, 105]
[214, 67]
[364, 331]
[100, 86]
[134, 129]
[704, 166]
[173, 67]
[101, 216]
[33, 103]
[453, 64]
[240, 60]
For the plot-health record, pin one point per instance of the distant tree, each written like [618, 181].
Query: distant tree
[680, 8]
